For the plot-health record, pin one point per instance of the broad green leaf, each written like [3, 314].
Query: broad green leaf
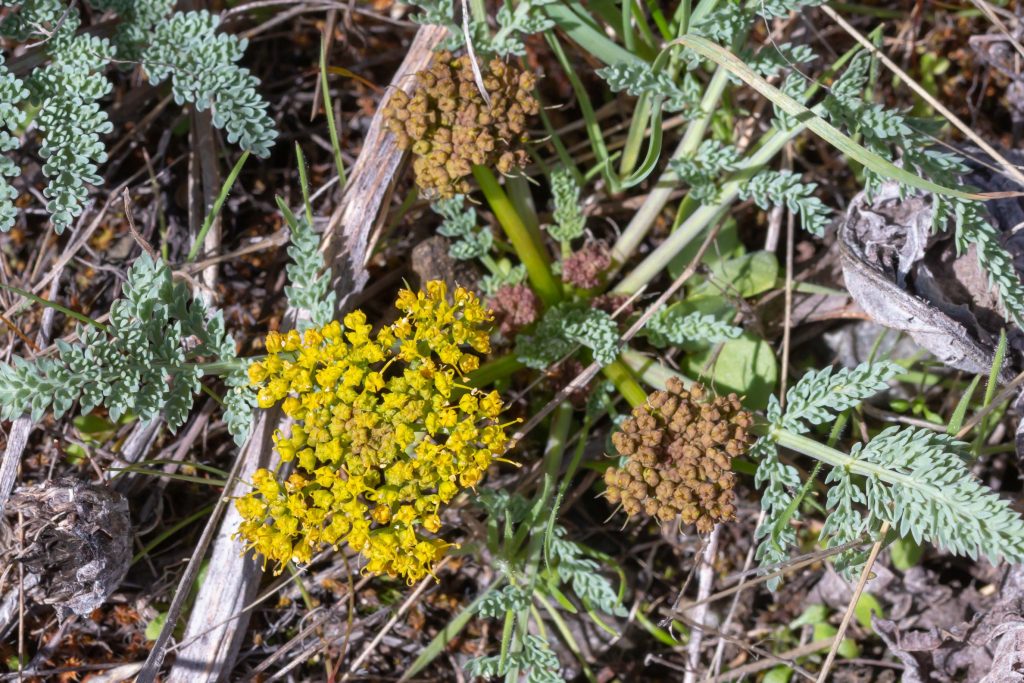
[848, 649]
[726, 245]
[813, 614]
[778, 674]
[93, 424]
[866, 605]
[905, 553]
[745, 276]
[155, 626]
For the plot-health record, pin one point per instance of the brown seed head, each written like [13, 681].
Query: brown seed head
[679, 446]
[447, 105]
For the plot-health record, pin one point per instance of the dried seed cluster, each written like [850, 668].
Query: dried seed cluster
[679, 447]
[385, 433]
[450, 127]
[74, 542]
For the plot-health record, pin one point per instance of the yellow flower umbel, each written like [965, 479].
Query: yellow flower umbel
[383, 435]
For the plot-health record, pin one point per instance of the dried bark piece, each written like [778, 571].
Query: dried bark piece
[74, 537]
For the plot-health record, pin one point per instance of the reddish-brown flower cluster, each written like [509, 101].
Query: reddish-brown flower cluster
[514, 307]
[585, 267]
[679, 447]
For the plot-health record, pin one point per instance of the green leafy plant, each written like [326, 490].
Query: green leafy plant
[914, 480]
[62, 97]
[142, 363]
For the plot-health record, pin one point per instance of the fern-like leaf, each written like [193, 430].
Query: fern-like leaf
[639, 78]
[202, 66]
[821, 395]
[309, 288]
[917, 480]
[669, 326]
[569, 218]
[769, 189]
[70, 118]
[777, 480]
[12, 93]
[563, 328]
[703, 171]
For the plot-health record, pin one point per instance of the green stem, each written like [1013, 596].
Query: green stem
[619, 374]
[554, 450]
[658, 260]
[566, 633]
[493, 370]
[838, 459]
[528, 246]
[642, 221]
[215, 210]
[592, 125]
[649, 370]
[223, 367]
[519, 193]
[635, 137]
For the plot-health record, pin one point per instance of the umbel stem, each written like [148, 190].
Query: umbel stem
[527, 243]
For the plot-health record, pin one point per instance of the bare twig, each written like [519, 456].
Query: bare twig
[865, 574]
[705, 579]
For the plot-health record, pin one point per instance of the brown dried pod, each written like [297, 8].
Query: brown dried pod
[450, 126]
[678, 447]
[73, 539]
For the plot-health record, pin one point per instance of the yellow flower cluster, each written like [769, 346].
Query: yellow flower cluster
[383, 433]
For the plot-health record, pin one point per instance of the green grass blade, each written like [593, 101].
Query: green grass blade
[818, 125]
[304, 182]
[997, 366]
[339, 163]
[956, 421]
[148, 548]
[55, 306]
[215, 210]
[447, 634]
[587, 36]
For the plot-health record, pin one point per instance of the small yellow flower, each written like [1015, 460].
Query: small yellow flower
[383, 436]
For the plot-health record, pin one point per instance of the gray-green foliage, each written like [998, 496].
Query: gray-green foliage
[509, 597]
[504, 273]
[703, 172]
[202, 65]
[640, 78]
[769, 189]
[914, 479]
[564, 328]
[12, 93]
[774, 57]
[308, 288]
[514, 24]
[67, 88]
[816, 399]
[731, 20]
[575, 569]
[536, 659]
[671, 326]
[568, 217]
[887, 132]
[146, 362]
[568, 568]
[468, 240]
